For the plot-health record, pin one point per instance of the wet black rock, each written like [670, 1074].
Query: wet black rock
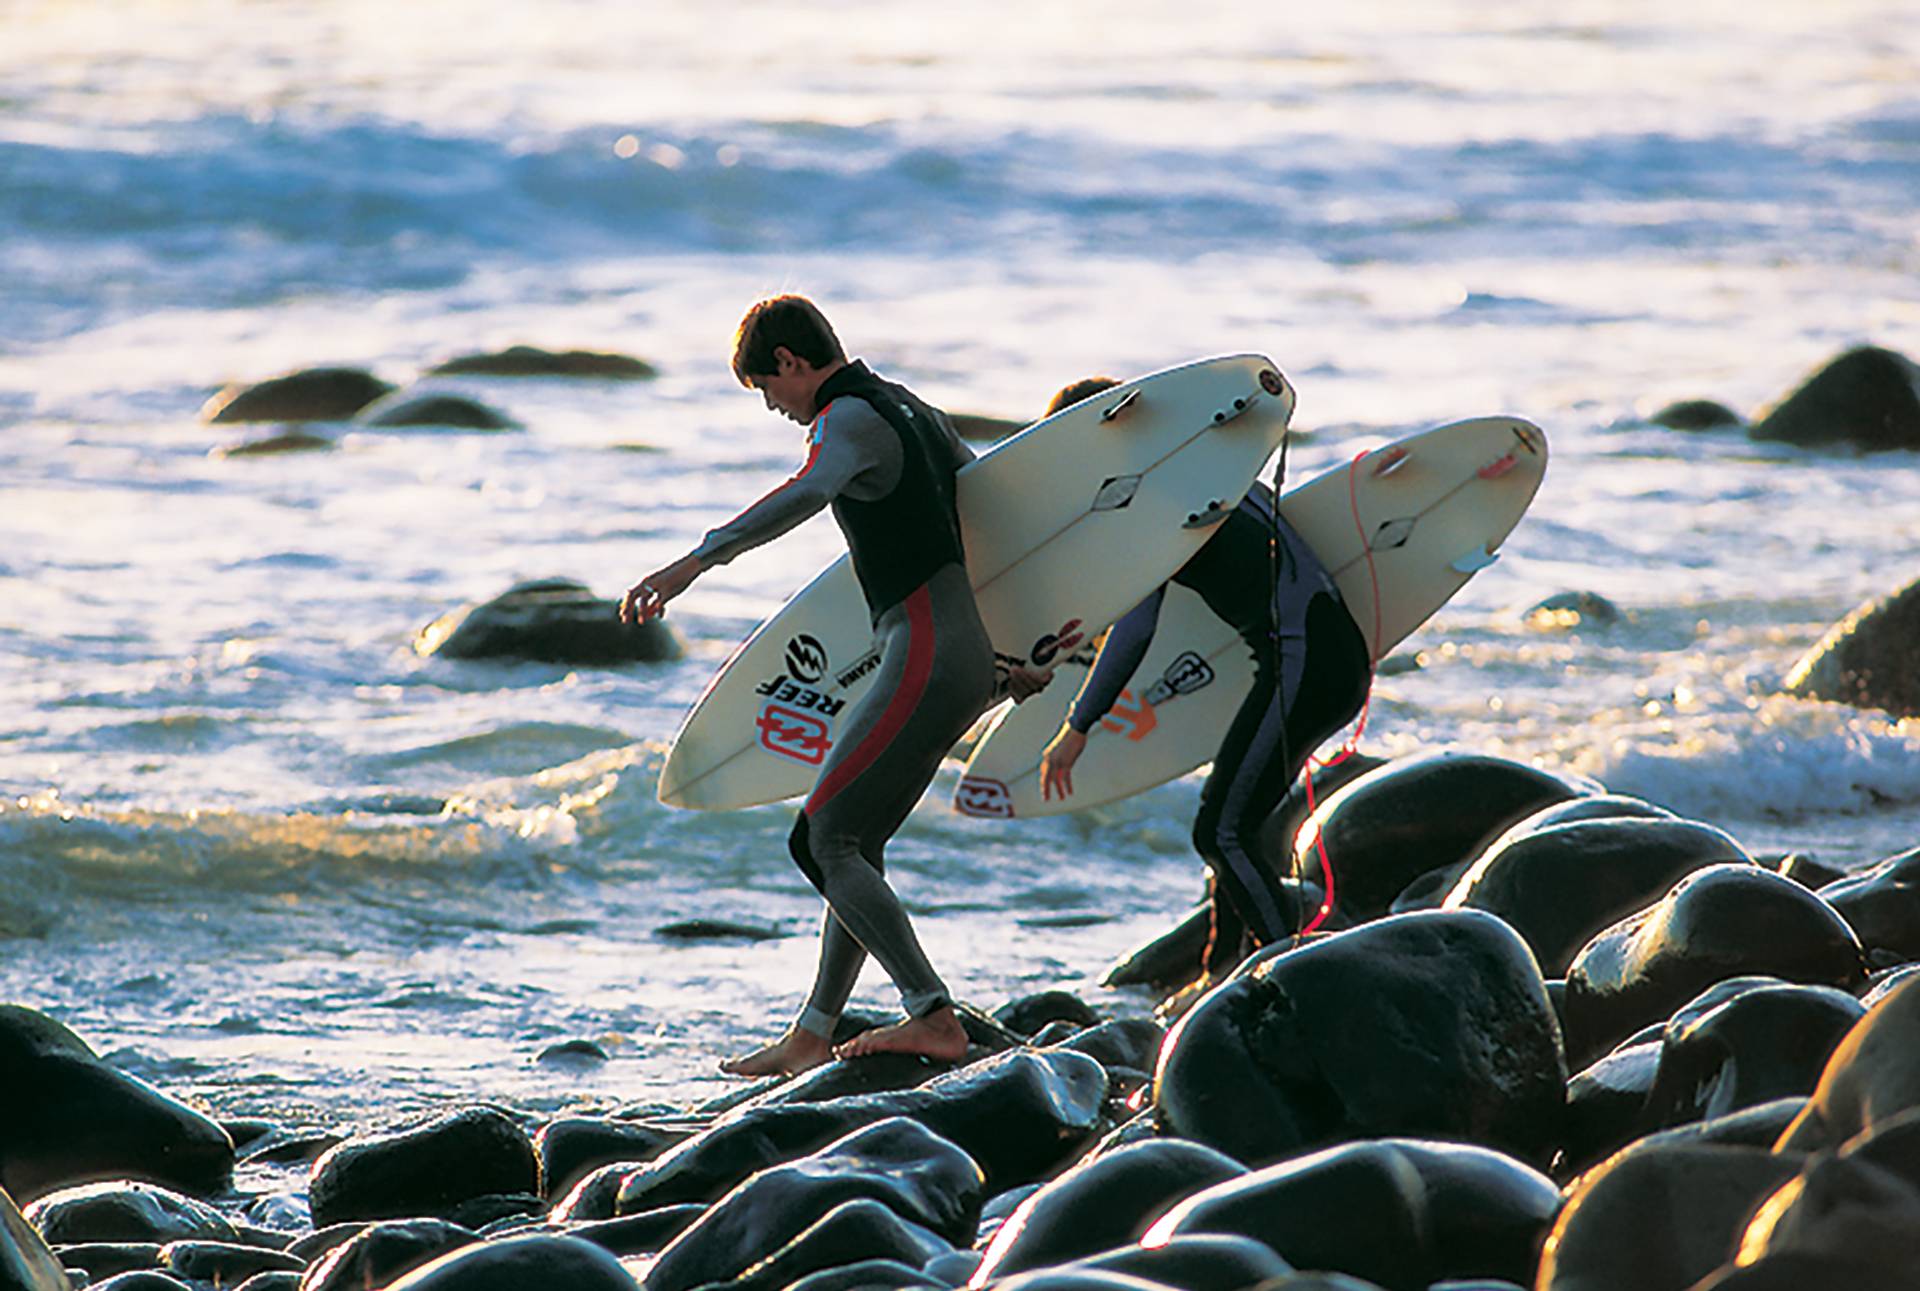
[1806, 870]
[1882, 904]
[1856, 1209]
[574, 1146]
[1869, 659]
[1188, 1262]
[1745, 1042]
[641, 1234]
[281, 1146]
[1019, 1114]
[1102, 1203]
[1607, 1105]
[520, 1264]
[861, 1229]
[880, 1073]
[312, 394]
[1418, 814]
[551, 620]
[1658, 1217]
[1278, 832]
[26, 1263]
[122, 1211]
[424, 1171]
[224, 1263]
[1790, 1272]
[1759, 1126]
[1696, 414]
[867, 1275]
[93, 1121]
[1430, 1024]
[143, 1280]
[1124, 1042]
[716, 930]
[532, 361]
[1873, 1075]
[1721, 922]
[271, 1281]
[104, 1259]
[1430, 890]
[1029, 1013]
[382, 1252]
[1867, 397]
[1560, 885]
[1433, 1211]
[898, 1162]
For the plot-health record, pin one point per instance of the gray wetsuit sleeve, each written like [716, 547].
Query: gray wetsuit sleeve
[850, 450]
[1119, 657]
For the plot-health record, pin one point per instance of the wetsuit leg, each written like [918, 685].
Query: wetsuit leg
[935, 677]
[1306, 687]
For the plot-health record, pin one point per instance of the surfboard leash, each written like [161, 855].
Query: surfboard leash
[1352, 743]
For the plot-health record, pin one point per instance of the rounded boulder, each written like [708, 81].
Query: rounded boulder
[424, 1171]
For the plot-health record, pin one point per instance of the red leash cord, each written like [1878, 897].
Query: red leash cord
[1351, 744]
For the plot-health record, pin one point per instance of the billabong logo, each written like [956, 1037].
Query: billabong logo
[793, 734]
[1053, 643]
[806, 658]
[983, 796]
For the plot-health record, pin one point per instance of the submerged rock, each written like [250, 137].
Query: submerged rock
[532, 361]
[405, 408]
[550, 620]
[1696, 414]
[1430, 1024]
[291, 441]
[92, 1121]
[1721, 922]
[426, 1170]
[1868, 397]
[311, 394]
[1870, 659]
[1571, 610]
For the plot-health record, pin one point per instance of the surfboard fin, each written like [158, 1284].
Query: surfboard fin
[1474, 560]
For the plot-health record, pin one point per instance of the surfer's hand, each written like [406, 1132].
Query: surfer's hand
[1056, 764]
[647, 599]
[1024, 683]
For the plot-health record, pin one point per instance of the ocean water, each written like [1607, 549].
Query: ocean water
[260, 852]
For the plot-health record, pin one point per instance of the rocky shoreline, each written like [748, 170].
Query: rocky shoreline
[1559, 1038]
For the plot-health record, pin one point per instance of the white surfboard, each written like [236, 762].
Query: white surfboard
[1431, 510]
[1066, 525]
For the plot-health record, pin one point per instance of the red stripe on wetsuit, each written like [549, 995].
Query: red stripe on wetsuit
[919, 606]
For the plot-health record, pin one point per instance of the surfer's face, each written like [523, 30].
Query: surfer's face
[789, 389]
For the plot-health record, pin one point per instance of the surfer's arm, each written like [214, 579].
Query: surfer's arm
[845, 450]
[1119, 657]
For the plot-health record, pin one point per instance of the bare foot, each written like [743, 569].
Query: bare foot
[791, 1054]
[938, 1035]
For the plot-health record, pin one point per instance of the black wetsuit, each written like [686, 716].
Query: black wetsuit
[1311, 675]
[885, 462]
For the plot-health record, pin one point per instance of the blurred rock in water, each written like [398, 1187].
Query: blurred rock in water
[1870, 659]
[532, 361]
[312, 394]
[1868, 397]
[551, 620]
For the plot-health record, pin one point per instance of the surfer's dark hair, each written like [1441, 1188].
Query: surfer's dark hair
[1085, 388]
[792, 321]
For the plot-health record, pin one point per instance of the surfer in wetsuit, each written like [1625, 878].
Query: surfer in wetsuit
[1311, 676]
[885, 462]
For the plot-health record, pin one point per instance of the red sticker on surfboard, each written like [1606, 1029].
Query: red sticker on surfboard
[793, 734]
